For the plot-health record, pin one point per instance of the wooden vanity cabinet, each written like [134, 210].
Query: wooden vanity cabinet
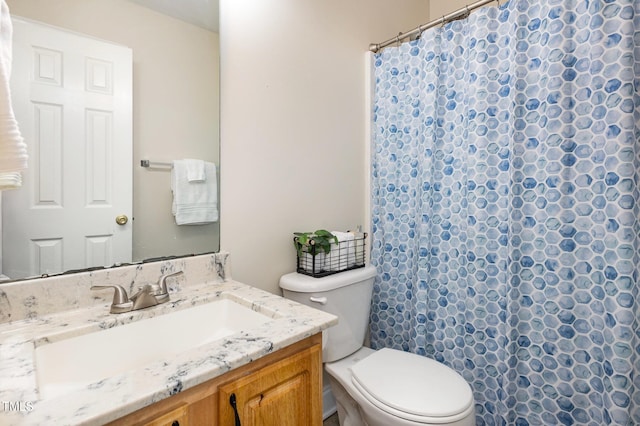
[283, 388]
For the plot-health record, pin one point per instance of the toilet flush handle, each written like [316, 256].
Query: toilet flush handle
[320, 300]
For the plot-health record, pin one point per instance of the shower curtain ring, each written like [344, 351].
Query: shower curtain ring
[442, 23]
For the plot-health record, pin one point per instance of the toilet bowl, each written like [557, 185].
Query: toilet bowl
[387, 387]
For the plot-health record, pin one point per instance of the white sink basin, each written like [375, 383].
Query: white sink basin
[73, 363]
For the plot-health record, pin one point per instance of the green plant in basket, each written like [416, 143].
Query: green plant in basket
[311, 242]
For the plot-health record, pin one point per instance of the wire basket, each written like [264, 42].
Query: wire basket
[343, 256]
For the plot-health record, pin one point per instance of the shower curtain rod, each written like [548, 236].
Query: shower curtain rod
[440, 21]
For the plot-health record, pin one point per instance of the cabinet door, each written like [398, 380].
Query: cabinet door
[176, 417]
[287, 393]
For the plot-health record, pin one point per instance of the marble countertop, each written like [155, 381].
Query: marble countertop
[116, 396]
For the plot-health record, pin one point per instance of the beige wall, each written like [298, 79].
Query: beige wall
[175, 105]
[439, 8]
[294, 113]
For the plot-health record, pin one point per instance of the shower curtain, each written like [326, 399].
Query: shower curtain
[505, 189]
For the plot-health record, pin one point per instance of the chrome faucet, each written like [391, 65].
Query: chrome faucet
[146, 296]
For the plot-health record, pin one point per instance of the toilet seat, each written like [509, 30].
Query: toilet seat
[429, 392]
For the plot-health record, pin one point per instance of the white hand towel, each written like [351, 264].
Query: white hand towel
[343, 254]
[13, 151]
[195, 170]
[194, 203]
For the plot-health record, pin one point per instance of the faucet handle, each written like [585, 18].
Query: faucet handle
[121, 302]
[162, 282]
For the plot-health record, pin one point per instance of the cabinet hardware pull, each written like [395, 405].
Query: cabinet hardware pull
[175, 423]
[232, 401]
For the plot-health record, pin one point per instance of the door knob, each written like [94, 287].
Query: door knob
[122, 219]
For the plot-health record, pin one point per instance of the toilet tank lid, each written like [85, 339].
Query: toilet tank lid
[305, 284]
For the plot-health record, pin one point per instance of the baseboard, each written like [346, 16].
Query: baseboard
[328, 402]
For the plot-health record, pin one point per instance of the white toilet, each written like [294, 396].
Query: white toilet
[377, 388]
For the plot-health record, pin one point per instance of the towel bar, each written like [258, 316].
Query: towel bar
[147, 163]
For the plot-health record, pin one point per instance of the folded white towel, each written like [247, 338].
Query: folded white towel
[343, 254]
[10, 180]
[13, 151]
[195, 170]
[194, 203]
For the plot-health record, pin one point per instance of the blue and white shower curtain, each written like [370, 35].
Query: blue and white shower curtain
[505, 212]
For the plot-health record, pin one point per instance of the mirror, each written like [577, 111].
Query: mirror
[175, 110]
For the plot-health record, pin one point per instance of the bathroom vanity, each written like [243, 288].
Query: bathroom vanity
[64, 359]
[280, 389]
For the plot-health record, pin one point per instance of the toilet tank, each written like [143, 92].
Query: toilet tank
[346, 295]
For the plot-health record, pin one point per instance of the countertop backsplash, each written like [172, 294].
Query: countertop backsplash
[29, 299]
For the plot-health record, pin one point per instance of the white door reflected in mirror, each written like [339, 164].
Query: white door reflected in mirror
[72, 96]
